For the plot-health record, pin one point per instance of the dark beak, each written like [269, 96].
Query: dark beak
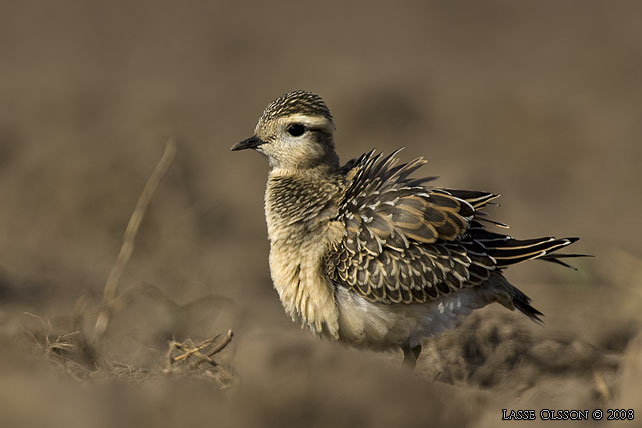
[250, 143]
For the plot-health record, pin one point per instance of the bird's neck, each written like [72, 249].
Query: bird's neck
[324, 167]
[299, 201]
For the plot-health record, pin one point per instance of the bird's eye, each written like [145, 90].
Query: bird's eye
[296, 129]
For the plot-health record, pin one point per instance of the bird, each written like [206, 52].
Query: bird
[366, 254]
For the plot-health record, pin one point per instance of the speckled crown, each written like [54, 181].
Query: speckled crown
[296, 102]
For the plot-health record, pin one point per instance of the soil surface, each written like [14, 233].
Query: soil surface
[538, 101]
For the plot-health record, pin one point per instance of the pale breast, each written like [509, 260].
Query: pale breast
[298, 213]
[304, 292]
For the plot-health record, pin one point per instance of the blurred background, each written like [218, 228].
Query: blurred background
[538, 101]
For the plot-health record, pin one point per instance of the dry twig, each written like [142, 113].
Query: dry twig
[111, 286]
[188, 349]
[59, 344]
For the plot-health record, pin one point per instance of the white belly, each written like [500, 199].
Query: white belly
[383, 326]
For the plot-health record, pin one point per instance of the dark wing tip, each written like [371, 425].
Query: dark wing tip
[572, 239]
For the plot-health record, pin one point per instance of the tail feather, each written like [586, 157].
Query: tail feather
[523, 303]
[508, 251]
[512, 297]
[555, 258]
[514, 251]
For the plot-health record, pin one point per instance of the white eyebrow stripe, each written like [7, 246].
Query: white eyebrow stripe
[309, 121]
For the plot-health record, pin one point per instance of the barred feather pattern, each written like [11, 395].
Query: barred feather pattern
[409, 243]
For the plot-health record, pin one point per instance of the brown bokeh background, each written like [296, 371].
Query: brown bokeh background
[538, 101]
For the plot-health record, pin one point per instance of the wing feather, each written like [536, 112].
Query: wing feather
[407, 243]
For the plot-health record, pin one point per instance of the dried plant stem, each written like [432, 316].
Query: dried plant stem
[126, 249]
[189, 349]
[222, 345]
[227, 339]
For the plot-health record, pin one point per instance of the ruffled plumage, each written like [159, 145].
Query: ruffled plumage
[409, 243]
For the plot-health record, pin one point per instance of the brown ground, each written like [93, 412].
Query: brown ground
[539, 101]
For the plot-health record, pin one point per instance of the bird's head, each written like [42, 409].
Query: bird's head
[295, 132]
